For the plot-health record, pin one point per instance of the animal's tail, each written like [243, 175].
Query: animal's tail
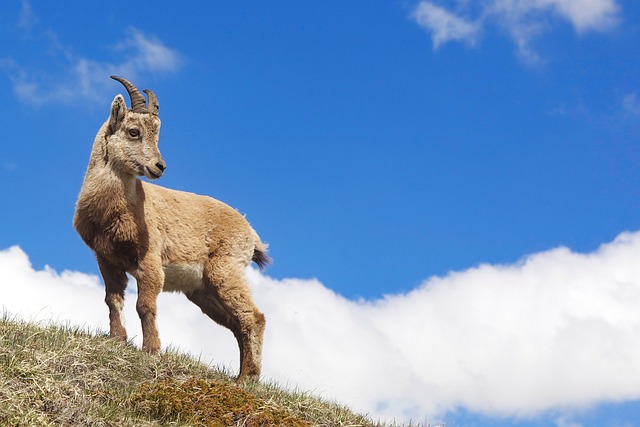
[260, 256]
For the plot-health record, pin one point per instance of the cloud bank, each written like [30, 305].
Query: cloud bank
[556, 330]
[521, 20]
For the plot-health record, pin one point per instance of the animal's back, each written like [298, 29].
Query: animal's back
[218, 224]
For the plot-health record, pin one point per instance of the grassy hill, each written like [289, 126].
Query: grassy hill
[64, 376]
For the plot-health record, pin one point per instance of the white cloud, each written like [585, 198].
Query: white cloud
[444, 25]
[147, 52]
[585, 15]
[522, 20]
[83, 79]
[557, 330]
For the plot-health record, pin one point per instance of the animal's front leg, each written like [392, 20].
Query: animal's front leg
[150, 282]
[115, 282]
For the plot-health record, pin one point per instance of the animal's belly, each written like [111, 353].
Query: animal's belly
[182, 277]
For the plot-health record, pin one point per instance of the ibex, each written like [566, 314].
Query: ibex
[167, 240]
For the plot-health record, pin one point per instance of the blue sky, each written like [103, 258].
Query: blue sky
[377, 147]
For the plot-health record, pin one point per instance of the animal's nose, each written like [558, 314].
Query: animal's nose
[161, 165]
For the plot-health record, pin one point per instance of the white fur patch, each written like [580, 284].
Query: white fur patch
[182, 277]
[120, 309]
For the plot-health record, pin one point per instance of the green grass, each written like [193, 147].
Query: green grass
[65, 376]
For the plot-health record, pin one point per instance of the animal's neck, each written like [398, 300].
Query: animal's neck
[107, 213]
[116, 192]
[106, 187]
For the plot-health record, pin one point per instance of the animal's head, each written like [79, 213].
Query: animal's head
[133, 134]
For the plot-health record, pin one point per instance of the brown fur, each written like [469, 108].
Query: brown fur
[168, 240]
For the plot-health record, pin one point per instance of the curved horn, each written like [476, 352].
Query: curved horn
[138, 103]
[154, 106]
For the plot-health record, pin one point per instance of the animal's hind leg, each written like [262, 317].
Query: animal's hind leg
[115, 282]
[231, 289]
[208, 302]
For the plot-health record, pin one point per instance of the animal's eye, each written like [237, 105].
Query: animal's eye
[134, 133]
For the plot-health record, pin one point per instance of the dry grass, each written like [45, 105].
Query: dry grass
[64, 376]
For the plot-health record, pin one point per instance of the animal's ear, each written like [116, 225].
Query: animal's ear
[118, 110]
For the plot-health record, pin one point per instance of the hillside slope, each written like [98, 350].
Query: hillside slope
[63, 376]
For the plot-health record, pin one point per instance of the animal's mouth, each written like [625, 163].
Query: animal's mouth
[151, 173]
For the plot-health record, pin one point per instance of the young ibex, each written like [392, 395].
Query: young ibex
[168, 240]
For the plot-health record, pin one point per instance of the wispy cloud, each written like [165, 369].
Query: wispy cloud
[556, 330]
[9, 166]
[26, 19]
[147, 52]
[564, 421]
[631, 104]
[445, 26]
[81, 79]
[522, 20]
